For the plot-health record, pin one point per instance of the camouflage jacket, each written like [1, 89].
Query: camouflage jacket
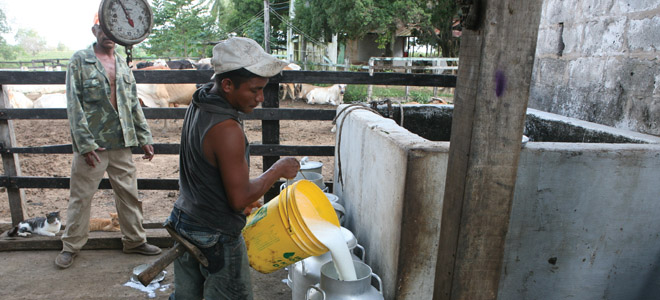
[93, 121]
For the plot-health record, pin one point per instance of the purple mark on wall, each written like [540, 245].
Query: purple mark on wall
[500, 83]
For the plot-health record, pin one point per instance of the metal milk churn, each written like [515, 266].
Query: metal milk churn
[331, 288]
[307, 272]
[339, 209]
[311, 166]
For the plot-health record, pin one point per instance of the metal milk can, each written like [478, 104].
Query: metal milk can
[311, 166]
[307, 272]
[331, 288]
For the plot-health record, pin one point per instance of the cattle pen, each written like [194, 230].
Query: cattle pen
[270, 149]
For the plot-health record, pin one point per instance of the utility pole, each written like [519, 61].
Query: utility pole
[266, 26]
[289, 31]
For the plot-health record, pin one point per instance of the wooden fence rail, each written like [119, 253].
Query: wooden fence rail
[270, 115]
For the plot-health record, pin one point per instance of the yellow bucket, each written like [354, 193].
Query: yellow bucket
[276, 235]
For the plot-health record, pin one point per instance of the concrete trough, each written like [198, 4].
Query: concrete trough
[584, 220]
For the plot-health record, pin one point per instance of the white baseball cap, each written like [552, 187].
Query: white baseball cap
[239, 52]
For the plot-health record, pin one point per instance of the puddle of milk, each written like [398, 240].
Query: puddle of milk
[149, 289]
[330, 235]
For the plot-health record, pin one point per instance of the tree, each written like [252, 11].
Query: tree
[245, 18]
[181, 28]
[443, 14]
[218, 8]
[62, 47]
[353, 19]
[30, 41]
[6, 51]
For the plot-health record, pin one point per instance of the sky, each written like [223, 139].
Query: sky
[66, 21]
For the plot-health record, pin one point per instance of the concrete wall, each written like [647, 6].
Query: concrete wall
[597, 60]
[392, 192]
[584, 223]
[584, 215]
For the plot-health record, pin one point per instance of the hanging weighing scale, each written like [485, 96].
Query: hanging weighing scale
[126, 22]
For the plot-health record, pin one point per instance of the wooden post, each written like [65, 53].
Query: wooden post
[270, 132]
[11, 164]
[489, 113]
[408, 63]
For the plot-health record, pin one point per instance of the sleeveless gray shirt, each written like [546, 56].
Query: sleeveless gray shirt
[202, 191]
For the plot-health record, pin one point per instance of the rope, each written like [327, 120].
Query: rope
[355, 106]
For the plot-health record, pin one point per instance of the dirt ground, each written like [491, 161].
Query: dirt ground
[156, 204]
[92, 267]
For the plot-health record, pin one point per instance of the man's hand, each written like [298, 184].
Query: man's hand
[248, 210]
[287, 167]
[148, 152]
[91, 156]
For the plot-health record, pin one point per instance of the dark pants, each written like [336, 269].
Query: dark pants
[228, 273]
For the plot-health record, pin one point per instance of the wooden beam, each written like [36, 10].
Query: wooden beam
[255, 150]
[203, 76]
[490, 103]
[270, 133]
[11, 165]
[176, 113]
[98, 240]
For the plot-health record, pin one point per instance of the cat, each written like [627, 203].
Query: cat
[49, 225]
[104, 224]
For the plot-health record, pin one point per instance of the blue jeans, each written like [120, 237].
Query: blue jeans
[228, 273]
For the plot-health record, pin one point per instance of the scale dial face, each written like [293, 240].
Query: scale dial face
[127, 22]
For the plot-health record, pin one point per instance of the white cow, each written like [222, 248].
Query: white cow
[302, 89]
[333, 95]
[16, 99]
[51, 101]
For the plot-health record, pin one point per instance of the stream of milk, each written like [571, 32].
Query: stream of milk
[330, 235]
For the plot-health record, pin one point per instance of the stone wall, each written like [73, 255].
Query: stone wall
[597, 60]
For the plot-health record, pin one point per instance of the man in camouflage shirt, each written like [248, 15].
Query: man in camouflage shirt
[106, 120]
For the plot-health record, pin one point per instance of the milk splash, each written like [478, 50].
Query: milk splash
[149, 289]
[330, 235]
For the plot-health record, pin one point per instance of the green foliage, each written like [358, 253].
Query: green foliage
[30, 41]
[355, 93]
[420, 96]
[352, 19]
[6, 51]
[443, 13]
[245, 18]
[218, 8]
[46, 54]
[358, 93]
[181, 29]
[61, 47]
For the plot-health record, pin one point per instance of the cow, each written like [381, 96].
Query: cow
[302, 89]
[165, 95]
[333, 95]
[143, 65]
[289, 89]
[17, 99]
[183, 64]
[56, 100]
